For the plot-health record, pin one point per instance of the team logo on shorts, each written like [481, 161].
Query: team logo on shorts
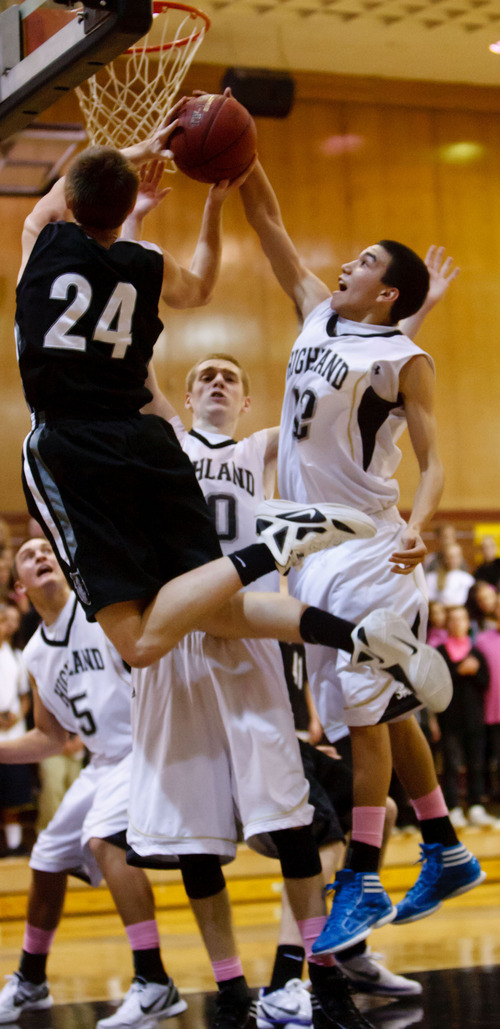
[80, 588]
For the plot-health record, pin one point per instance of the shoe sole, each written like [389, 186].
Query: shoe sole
[430, 666]
[361, 935]
[265, 1023]
[149, 1019]
[456, 893]
[39, 1005]
[354, 524]
[362, 987]
[435, 700]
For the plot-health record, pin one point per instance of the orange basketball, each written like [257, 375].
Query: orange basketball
[216, 138]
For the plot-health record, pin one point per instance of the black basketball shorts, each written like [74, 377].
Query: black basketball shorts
[120, 503]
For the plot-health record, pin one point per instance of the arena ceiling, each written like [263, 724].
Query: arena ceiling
[436, 40]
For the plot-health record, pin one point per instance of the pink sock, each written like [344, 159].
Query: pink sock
[37, 941]
[143, 935]
[433, 805]
[368, 825]
[310, 929]
[230, 968]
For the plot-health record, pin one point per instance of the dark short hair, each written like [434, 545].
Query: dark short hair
[101, 187]
[409, 274]
[191, 375]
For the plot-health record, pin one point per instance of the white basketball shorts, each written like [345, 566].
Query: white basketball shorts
[96, 805]
[349, 581]
[214, 742]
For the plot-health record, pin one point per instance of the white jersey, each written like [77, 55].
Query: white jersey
[231, 475]
[82, 681]
[342, 413]
[213, 727]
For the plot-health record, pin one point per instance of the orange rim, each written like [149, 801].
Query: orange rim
[159, 7]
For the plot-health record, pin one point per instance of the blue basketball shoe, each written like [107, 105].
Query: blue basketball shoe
[361, 904]
[446, 872]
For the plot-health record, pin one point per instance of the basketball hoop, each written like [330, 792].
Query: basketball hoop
[126, 101]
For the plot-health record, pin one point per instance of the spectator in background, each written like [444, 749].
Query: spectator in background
[488, 643]
[445, 536]
[436, 626]
[6, 556]
[482, 607]
[489, 568]
[450, 583]
[15, 780]
[462, 724]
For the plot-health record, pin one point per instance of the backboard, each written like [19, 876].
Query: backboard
[48, 47]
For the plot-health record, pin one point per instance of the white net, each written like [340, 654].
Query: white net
[128, 99]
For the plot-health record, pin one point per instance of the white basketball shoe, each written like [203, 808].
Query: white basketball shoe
[292, 531]
[144, 1005]
[287, 1008]
[385, 641]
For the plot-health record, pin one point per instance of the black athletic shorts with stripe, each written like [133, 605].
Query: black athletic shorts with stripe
[120, 503]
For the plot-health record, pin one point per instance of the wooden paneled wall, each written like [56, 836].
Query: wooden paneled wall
[356, 161]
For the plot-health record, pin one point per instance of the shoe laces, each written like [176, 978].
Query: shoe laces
[431, 866]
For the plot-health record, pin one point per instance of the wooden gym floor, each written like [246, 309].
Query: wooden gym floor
[454, 953]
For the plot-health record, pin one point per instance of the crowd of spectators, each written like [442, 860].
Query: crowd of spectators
[464, 624]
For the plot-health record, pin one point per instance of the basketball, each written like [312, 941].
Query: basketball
[216, 138]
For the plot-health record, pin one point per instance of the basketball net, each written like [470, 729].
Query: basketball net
[126, 101]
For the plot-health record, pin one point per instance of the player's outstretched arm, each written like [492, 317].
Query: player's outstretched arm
[46, 739]
[193, 287]
[159, 405]
[416, 383]
[50, 208]
[264, 215]
[441, 275]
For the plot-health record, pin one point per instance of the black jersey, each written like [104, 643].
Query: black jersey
[86, 323]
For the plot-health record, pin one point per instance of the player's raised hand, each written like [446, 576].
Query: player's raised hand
[225, 186]
[150, 193]
[441, 273]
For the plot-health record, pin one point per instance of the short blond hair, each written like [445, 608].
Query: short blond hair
[191, 375]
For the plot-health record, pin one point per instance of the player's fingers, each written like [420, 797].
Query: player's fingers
[429, 257]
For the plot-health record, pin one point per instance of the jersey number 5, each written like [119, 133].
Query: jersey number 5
[114, 325]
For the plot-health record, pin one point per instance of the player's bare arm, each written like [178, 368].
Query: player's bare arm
[271, 461]
[193, 287]
[441, 274]
[50, 208]
[416, 384]
[263, 214]
[159, 405]
[46, 739]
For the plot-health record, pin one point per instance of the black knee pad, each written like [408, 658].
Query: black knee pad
[298, 852]
[202, 875]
